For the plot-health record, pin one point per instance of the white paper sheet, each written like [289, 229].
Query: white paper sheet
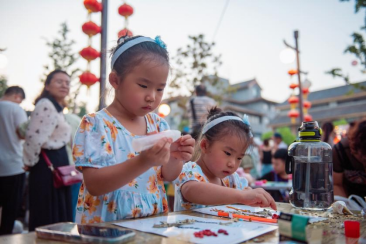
[238, 232]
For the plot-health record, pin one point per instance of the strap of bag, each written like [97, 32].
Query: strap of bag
[48, 162]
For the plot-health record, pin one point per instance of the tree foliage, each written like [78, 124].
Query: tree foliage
[64, 58]
[3, 85]
[358, 49]
[195, 64]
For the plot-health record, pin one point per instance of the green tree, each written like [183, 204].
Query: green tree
[195, 64]
[3, 85]
[63, 57]
[358, 49]
[286, 134]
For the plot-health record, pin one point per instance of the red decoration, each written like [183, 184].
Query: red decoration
[293, 114]
[292, 72]
[124, 32]
[93, 6]
[125, 10]
[87, 78]
[293, 100]
[308, 118]
[307, 104]
[90, 28]
[89, 53]
[305, 90]
[354, 63]
[293, 85]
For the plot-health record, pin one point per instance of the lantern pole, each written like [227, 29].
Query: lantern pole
[103, 54]
[296, 48]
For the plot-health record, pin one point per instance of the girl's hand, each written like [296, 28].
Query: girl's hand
[157, 155]
[183, 148]
[26, 168]
[258, 198]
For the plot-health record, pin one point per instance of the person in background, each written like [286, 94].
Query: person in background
[328, 133]
[245, 168]
[349, 162]
[266, 157]
[278, 142]
[278, 174]
[12, 175]
[74, 122]
[197, 109]
[49, 132]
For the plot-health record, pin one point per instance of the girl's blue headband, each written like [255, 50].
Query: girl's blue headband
[132, 43]
[216, 121]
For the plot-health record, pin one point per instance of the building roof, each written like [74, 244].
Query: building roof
[245, 84]
[330, 93]
[241, 110]
[246, 102]
[326, 114]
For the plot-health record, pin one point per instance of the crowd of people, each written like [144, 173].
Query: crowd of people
[216, 165]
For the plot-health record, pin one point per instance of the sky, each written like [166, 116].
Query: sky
[249, 38]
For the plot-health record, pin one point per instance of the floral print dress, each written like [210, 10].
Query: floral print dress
[102, 141]
[192, 172]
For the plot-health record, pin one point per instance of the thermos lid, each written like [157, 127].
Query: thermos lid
[310, 131]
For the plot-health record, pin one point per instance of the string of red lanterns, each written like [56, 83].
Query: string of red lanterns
[89, 53]
[126, 11]
[294, 100]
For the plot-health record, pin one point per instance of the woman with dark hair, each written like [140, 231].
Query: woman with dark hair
[328, 133]
[48, 132]
[266, 157]
[349, 162]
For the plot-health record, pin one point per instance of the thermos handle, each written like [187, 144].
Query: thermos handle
[289, 164]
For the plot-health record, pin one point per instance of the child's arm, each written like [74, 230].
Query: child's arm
[211, 194]
[100, 181]
[181, 152]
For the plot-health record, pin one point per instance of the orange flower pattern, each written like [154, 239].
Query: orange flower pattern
[192, 172]
[76, 152]
[102, 141]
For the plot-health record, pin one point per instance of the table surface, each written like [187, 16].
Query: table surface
[331, 232]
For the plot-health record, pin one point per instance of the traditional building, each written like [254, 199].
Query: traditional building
[246, 98]
[344, 102]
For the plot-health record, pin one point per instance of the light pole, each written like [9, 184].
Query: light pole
[103, 54]
[297, 52]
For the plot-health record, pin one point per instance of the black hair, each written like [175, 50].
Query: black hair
[201, 90]
[327, 130]
[225, 128]
[15, 90]
[266, 142]
[136, 54]
[281, 154]
[45, 93]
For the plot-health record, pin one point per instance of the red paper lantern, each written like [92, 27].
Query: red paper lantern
[307, 104]
[90, 28]
[308, 118]
[305, 90]
[124, 32]
[293, 114]
[125, 10]
[93, 6]
[89, 53]
[87, 78]
[292, 72]
[293, 85]
[293, 100]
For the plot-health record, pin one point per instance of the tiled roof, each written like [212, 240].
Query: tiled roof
[330, 113]
[330, 93]
[245, 84]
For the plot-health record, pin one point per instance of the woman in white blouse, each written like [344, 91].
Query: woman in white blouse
[48, 131]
